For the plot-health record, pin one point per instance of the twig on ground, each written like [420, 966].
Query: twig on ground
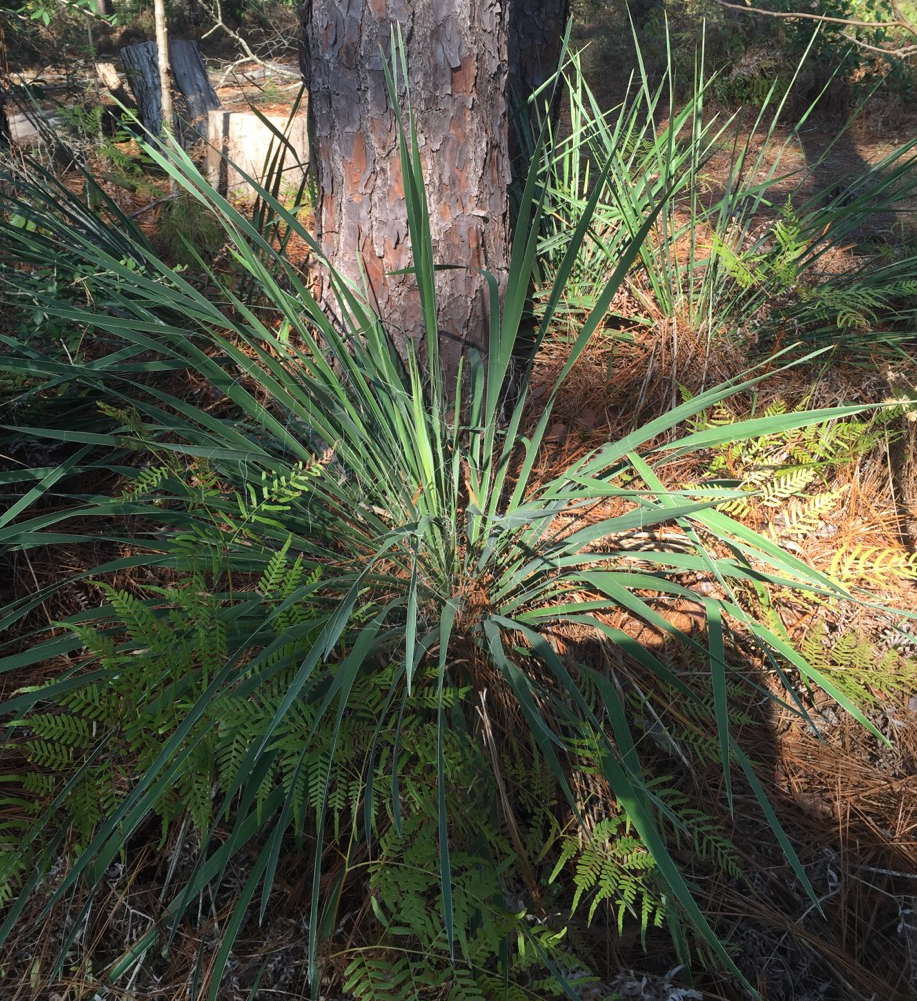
[215, 9]
[152, 205]
[804, 15]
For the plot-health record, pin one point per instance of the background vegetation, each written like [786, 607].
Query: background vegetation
[601, 687]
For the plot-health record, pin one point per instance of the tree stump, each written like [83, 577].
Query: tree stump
[33, 127]
[139, 63]
[197, 97]
[240, 143]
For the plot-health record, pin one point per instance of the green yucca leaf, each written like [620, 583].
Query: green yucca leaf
[717, 663]
[759, 426]
[337, 450]
[622, 771]
[446, 625]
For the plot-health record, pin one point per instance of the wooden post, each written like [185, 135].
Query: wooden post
[165, 77]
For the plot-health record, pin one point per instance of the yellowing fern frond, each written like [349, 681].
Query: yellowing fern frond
[874, 566]
[803, 516]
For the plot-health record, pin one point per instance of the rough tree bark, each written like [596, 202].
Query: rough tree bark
[465, 59]
[197, 97]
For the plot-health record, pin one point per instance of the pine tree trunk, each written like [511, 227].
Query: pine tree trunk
[536, 30]
[458, 60]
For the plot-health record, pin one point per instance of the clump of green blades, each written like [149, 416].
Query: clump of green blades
[714, 264]
[410, 508]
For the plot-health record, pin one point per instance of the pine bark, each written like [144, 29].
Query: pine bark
[459, 56]
[196, 96]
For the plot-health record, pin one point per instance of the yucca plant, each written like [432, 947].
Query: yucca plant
[435, 542]
[713, 261]
[649, 164]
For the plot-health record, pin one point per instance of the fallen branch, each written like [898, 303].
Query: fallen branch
[905, 52]
[152, 205]
[216, 12]
[272, 67]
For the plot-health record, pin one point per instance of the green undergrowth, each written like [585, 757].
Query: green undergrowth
[146, 662]
[347, 619]
[187, 232]
[743, 252]
[752, 51]
[775, 469]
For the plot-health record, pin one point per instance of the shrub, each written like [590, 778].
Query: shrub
[417, 578]
[750, 53]
[188, 232]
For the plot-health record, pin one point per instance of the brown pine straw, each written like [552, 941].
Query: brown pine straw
[845, 782]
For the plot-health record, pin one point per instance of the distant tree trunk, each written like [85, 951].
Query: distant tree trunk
[189, 74]
[165, 77]
[105, 8]
[6, 133]
[460, 58]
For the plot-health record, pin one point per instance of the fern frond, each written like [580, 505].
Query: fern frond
[146, 482]
[64, 729]
[857, 666]
[378, 978]
[611, 867]
[49, 754]
[873, 566]
[786, 485]
[802, 517]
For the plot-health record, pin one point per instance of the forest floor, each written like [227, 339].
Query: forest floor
[849, 800]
